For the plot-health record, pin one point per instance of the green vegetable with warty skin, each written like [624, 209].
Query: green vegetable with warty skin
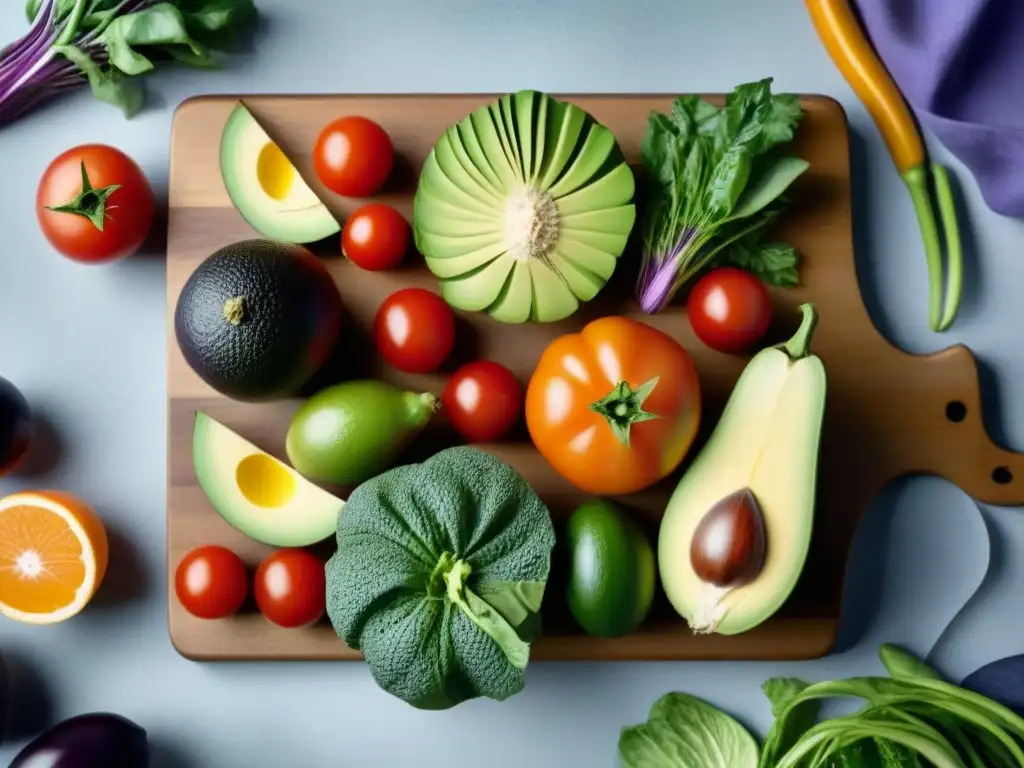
[439, 576]
[715, 180]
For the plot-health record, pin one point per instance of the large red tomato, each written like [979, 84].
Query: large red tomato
[353, 156]
[615, 407]
[94, 204]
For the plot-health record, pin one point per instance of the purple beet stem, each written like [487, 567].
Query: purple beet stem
[658, 281]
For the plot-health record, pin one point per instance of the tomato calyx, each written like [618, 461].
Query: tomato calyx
[90, 203]
[623, 407]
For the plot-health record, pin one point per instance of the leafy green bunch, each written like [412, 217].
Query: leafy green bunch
[110, 44]
[910, 719]
[714, 181]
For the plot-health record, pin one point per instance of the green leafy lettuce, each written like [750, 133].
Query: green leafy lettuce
[714, 181]
[439, 576]
[684, 732]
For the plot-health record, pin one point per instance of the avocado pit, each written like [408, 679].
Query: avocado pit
[727, 551]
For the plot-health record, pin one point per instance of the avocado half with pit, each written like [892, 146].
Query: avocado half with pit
[258, 494]
[265, 186]
[523, 209]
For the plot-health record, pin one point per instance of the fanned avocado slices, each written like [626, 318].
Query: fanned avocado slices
[523, 209]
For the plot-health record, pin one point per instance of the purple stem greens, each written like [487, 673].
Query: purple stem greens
[714, 183]
[108, 44]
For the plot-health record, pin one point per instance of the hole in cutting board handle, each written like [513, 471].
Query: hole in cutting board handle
[1002, 476]
[956, 411]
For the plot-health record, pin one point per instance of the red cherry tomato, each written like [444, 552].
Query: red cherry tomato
[729, 309]
[375, 237]
[353, 156]
[291, 588]
[120, 199]
[414, 330]
[483, 399]
[211, 582]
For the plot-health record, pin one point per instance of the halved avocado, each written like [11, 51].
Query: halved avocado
[523, 209]
[265, 186]
[258, 494]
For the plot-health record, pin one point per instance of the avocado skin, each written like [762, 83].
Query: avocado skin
[611, 570]
[291, 324]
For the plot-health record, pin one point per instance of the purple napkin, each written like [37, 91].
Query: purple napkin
[960, 64]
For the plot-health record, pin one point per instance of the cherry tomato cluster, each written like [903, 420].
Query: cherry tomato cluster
[353, 156]
[290, 585]
[414, 329]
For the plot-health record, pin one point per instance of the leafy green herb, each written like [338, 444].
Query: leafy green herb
[911, 719]
[715, 181]
[110, 43]
[684, 732]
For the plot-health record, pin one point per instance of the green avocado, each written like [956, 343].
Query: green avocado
[611, 571]
[257, 319]
[256, 493]
[265, 186]
[347, 433]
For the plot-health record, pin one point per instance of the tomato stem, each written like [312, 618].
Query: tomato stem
[234, 310]
[623, 407]
[90, 203]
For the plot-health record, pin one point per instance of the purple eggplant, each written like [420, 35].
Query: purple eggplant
[15, 426]
[93, 740]
[5, 699]
[1001, 681]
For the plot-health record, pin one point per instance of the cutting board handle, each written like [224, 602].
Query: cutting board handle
[944, 433]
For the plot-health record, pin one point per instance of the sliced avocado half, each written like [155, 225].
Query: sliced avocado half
[737, 530]
[523, 209]
[265, 186]
[258, 494]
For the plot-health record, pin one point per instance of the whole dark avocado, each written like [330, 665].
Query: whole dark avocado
[257, 319]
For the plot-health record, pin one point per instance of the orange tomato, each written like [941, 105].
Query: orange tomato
[615, 407]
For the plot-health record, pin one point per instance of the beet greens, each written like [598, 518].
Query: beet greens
[715, 181]
[109, 44]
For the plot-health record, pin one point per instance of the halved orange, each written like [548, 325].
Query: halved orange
[53, 556]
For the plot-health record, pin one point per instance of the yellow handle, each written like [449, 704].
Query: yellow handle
[846, 43]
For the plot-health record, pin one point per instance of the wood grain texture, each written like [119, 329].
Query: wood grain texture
[886, 416]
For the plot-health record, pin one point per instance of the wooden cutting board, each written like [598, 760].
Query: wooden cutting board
[888, 414]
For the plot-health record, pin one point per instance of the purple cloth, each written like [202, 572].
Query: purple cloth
[960, 64]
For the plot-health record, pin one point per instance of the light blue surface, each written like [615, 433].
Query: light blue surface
[87, 347]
